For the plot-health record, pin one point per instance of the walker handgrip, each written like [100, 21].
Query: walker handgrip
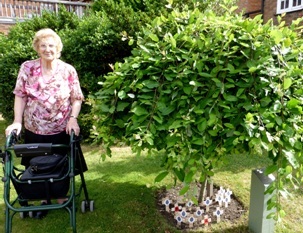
[74, 138]
[11, 138]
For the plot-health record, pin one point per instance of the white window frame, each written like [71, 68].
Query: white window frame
[290, 7]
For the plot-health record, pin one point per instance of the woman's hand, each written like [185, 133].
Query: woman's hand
[15, 126]
[72, 124]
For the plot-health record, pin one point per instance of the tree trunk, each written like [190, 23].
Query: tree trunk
[202, 190]
[206, 190]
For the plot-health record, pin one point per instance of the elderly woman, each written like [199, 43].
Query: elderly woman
[47, 95]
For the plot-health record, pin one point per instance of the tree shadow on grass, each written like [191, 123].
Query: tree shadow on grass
[119, 208]
[123, 203]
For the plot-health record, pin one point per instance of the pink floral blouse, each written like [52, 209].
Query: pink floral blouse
[48, 103]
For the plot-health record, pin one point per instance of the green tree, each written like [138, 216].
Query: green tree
[200, 86]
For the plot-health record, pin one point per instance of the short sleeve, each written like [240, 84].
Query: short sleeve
[76, 92]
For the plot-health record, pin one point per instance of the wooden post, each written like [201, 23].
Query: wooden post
[191, 221]
[207, 203]
[166, 202]
[218, 213]
[210, 189]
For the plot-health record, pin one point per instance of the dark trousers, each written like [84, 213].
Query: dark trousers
[61, 138]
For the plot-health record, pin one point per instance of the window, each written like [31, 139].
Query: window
[289, 5]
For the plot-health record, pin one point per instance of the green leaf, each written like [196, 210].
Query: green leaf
[150, 141]
[265, 101]
[161, 176]
[172, 141]
[173, 42]
[271, 169]
[282, 213]
[187, 90]
[179, 173]
[228, 125]
[176, 124]
[210, 173]
[144, 48]
[154, 37]
[287, 83]
[121, 106]
[189, 177]
[202, 126]
[121, 94]
[158, 119]
[139, 111]
[197, 141]
[212, 119]
[239, 92]
[213, 132]
[184, 190]
[165, 110]
[293, 103]
[150, 83]
[278, 120]
[120, 123]
[230, 97]
[131, 42]
[252, 69]
[206, 75]
[104, 107]
[277, 35]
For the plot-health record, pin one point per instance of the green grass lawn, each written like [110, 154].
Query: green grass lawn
[124, 193]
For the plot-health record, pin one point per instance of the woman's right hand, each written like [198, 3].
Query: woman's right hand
[15, 126]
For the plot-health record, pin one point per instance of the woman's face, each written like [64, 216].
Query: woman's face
[47, 49]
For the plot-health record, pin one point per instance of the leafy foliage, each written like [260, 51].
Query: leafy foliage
[200, 86]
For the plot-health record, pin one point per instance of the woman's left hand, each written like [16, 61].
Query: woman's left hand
[72, 124]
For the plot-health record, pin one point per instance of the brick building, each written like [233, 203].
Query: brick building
[12, 11]
[4, 27]
[272, 8]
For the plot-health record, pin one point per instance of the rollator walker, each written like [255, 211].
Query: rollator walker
[47, 186]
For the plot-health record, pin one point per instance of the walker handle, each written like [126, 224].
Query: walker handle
[11, 139]
[74, 138]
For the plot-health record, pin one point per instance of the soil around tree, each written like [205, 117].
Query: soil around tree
[232, 212]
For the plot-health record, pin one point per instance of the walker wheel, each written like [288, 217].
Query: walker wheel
[83, 206]
[91, 205]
